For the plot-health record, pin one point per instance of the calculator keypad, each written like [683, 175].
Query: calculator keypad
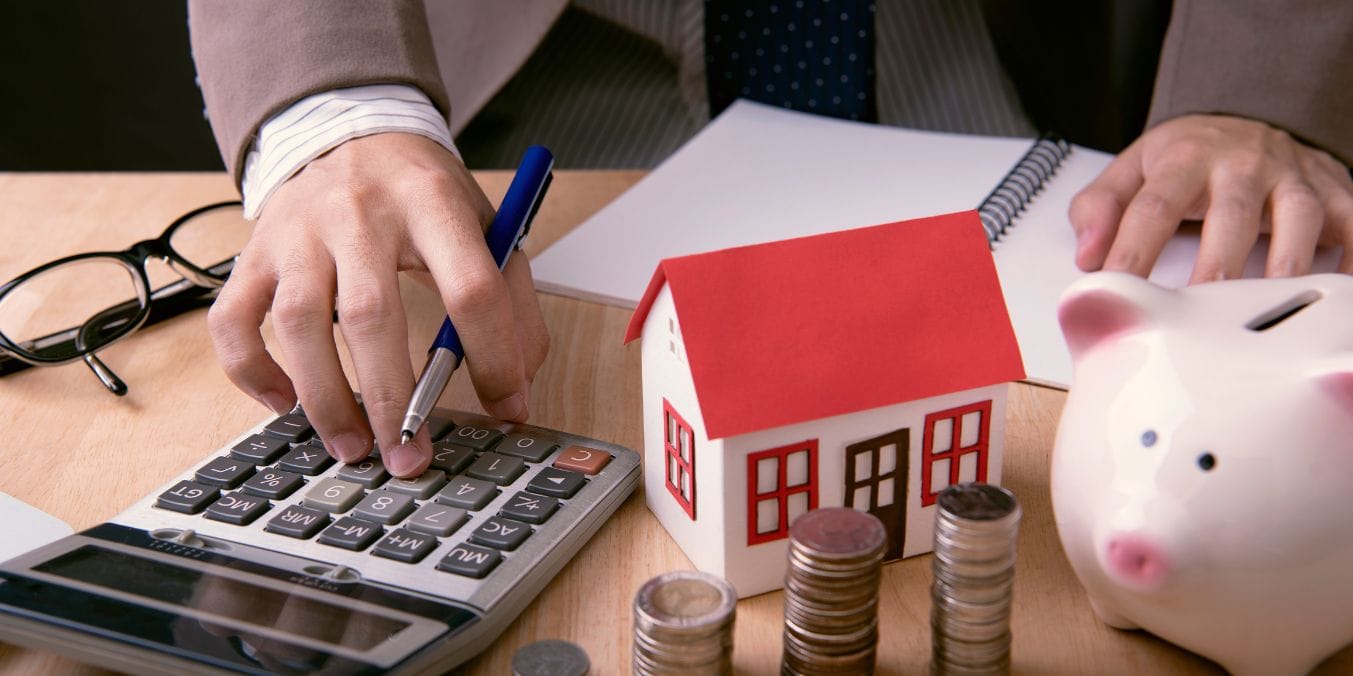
[283, 478]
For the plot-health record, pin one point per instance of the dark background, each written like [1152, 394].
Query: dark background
[94, 85]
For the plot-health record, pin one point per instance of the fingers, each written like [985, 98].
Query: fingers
[477, 300]
[1097, 209]
[233, 322]
[531, 331]
[1230, 227]
[1298, 219]
[1154, 214]
[372, 320]
[303, 321]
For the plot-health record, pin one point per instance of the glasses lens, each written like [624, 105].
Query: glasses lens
[212, 238]
[72, 309]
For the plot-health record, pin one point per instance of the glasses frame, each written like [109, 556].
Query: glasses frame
[197, 288]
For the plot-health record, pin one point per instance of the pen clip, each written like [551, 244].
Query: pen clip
[535, 207]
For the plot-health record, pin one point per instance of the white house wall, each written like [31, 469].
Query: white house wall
[760, 568]
[666, 374]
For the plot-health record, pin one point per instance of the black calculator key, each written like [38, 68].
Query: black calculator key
[435, 519]
[188, 497]
[560, 483]
[477, 438]
[439, 425]
[306, 459]
[224, 471]
[470, 561]
[451, 458]
[501, 533]
[467, 493]
[292, 427]
[350, 533]
[273, 484]
[370, 473]
[260, 449]
[384, 507]
[500, 469]
[237, 508]
[297, 522]
[526, 446]
[529, 507]
[405, 545]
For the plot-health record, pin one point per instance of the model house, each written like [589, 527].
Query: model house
[866, 368]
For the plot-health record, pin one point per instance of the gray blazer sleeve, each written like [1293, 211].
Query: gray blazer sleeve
[256, 57]
[1289, 64]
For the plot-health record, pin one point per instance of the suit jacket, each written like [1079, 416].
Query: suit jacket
[1287, 64]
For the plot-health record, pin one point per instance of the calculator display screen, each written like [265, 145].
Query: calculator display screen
[267, 608]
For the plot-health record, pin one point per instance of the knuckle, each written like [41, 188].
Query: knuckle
[383, 398]
[293, 309]
[365, 306]
[475, 293]
[1153, 205]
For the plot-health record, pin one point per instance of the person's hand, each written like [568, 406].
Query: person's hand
[1239, 177]
[334, 236]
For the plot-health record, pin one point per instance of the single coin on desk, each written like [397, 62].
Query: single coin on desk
[550, 657]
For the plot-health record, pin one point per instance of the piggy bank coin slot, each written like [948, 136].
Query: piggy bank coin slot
[1284, 311]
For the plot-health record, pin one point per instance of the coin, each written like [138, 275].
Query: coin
[550, 657]
[683, 623]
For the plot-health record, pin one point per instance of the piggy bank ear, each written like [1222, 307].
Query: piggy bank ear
[1336, 378]
[1105, 305]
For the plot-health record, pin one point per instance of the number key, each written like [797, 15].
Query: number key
[384, 507]
[478, 438]
[526, 446]
[435, 519]
[369, 473]
[333, 495]
[467, 493]
[451, 458]
[500, 469]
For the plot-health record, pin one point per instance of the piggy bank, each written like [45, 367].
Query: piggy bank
[1202, 478]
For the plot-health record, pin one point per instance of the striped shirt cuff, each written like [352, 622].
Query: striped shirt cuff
[316, 124]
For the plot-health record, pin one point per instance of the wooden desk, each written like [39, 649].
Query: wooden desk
[70, 448]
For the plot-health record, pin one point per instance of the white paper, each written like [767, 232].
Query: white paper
[26, 527]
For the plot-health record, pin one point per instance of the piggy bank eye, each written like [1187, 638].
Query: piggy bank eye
[1207, 461]
[1149, 438]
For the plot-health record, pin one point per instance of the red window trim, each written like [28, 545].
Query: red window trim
[955, 452]
[781, 492]
[672, 451]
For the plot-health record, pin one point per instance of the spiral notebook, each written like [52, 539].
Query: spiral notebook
[759, 173]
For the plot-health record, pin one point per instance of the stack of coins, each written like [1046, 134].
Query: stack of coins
[831, 592]
[683, 623]
[974, 563]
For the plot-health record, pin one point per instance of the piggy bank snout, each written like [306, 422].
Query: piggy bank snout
[1136, 561]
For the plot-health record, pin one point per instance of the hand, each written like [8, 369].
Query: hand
[1239, 176]
[334, 236]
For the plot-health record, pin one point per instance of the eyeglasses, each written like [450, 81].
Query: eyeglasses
[73, 307]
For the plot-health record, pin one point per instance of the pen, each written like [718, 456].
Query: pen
[505, 233]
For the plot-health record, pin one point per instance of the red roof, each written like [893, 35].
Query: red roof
[808, 328]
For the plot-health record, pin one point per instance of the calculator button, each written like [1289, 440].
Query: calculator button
[306, 459]
[467, 493]
[501, 533]
[292, 427]
[421, 486]
[350, 533]
[560, 483]
[297, 522]
[259, 449]
[188, 497]
[333, 495]
[470, 561]
[500, 469]
[237, 508]
[370, 473]
[532, 448]
[405, 545]
[273, 484]
[435, 519]
[451, 458]
[384, 507]
[582, 459]
[439, 425]
[478, 438]
[225, 472]
[529, 508]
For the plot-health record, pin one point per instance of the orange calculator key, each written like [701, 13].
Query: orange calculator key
[582, 459]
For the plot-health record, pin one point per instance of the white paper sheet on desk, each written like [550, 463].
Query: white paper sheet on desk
[759, 173]
[26, 527]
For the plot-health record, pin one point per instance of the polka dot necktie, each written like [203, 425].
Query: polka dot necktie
[816, 56]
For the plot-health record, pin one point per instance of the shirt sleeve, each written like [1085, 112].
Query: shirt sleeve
[320, 122]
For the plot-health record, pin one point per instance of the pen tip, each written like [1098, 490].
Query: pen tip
[405, 436]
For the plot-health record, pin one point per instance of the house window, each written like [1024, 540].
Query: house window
[954, 448]
[781, 485]
[679, 455]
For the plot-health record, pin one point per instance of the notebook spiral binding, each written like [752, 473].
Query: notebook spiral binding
[1018, 187]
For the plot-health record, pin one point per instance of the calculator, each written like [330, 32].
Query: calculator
[269, 557]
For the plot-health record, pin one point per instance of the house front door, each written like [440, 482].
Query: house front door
[876, 480]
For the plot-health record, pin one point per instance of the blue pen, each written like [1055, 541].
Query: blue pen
[505, 233]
